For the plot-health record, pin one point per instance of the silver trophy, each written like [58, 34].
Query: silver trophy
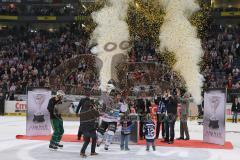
[214, 104]
[39, 115]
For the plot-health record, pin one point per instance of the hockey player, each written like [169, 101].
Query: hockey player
[109, 119]
[56, 120]
[108, 127]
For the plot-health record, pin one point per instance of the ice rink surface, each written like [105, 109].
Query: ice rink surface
[13, 149]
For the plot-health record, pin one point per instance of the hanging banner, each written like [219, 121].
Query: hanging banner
[38, 118]
[214, 117]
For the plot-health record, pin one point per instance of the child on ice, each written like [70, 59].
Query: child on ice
[126, 131]
[148, 130]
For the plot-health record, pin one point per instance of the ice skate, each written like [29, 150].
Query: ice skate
[83, 155]
[53, 147]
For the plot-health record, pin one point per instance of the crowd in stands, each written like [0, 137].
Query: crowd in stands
[10, 10]
[28, 57]
[220, 66]
[51, 11]
[221, 58]
[64, 10]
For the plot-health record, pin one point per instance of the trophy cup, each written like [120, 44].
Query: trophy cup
[214, 102]
[39, 116]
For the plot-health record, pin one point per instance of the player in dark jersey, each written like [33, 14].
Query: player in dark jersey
[56, 120]
[149, 132]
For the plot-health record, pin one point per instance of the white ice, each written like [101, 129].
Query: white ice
[13, 149]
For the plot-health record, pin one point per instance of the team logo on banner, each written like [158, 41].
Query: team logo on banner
[38, 118]
[214, 117]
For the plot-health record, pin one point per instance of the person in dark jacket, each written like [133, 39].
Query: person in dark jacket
[171, 102]
[142, 108]
[235, 110]
[88, 126]
[2, 103]
[56, 120]
[79, 107]
[161, 111]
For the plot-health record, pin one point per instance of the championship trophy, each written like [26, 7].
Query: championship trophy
[39, 100]
[214, 102]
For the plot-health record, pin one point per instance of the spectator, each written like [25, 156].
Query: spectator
[235, 110]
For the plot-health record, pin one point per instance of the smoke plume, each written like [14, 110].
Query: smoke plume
[179, 36]
[110, 32]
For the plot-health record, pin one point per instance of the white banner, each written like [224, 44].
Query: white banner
[214, 117]
[38, 118]
[15, 106]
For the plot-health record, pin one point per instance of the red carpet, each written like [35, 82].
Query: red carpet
[190, 144]
[177, 143]
[65, 138]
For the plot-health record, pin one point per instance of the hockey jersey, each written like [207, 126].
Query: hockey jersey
[126, 126]
[149, 129]
[161, 107]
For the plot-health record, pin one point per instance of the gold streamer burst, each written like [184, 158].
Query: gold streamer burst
[145, 19]
[202, 18]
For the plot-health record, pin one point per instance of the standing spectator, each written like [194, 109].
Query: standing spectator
[2, 102]
[171, 103]
[235, 110]
[161, 111]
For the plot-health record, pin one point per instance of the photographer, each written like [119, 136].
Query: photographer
[88, 126]
[185, 100]
[79, 107]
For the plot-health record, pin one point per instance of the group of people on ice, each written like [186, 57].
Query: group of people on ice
[98, 123]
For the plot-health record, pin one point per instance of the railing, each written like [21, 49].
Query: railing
[231, 94]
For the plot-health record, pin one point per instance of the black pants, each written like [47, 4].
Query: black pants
[87, 137]
[184, 129]
[169, 126]
[2, 107]
[160, 122]
[141, 134]
[112, 126]
[79, 133]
